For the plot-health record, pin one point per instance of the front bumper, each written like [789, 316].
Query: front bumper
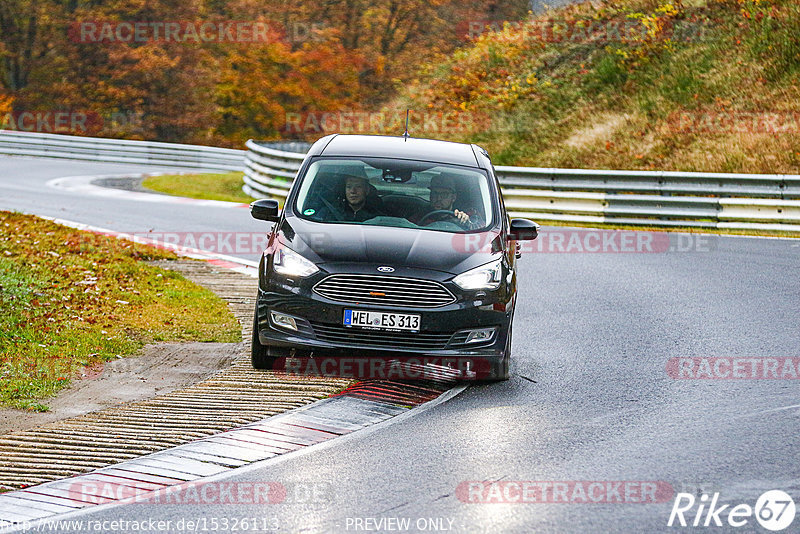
[320, 328]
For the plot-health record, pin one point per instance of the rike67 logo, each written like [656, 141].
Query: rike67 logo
[774, 510]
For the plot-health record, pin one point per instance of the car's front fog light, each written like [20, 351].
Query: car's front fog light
[478, 336]
[283, 321]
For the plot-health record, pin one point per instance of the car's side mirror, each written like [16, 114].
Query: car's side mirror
[523, 229]
[265, 210]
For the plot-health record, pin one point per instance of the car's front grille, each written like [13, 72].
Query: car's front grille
[385, 290]
[374, 338]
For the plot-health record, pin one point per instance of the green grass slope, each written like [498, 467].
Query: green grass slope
[709, 85]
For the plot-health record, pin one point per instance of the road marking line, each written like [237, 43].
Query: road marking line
[781, 409]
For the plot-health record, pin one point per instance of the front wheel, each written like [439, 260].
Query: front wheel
[499, 370]
[262, 356]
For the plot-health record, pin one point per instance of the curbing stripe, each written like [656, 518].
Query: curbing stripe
[300, 414]
[285, 433]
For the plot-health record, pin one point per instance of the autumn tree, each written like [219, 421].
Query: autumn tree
[321, 55]
[261, 84]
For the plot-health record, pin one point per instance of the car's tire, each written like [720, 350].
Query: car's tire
[499, 370]
[260, 355]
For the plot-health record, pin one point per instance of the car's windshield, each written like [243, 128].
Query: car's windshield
[399, 193]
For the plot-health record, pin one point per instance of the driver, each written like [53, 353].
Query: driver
[443, 197]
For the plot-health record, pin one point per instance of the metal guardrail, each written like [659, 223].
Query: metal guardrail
[649, 198]
[638, 198]
[270, 171]
[120, 151]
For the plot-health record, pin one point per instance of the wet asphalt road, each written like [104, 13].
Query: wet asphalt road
[590, 398]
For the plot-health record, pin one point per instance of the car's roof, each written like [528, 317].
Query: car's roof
[400, 147]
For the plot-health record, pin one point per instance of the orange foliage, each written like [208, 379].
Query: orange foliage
[329, 56]
[6, 102]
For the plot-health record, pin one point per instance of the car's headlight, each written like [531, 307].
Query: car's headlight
[484, 277]
[289, 263]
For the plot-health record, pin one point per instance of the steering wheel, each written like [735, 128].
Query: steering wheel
[335, 211]
[436, 216]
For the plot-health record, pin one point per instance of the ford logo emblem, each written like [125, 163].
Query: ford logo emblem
[386, 269]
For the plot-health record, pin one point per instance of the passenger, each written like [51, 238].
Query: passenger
[355, 205]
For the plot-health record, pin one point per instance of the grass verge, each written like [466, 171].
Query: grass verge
[70, 300]
[213, 186]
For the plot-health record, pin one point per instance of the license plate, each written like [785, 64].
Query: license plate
[382, 320]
